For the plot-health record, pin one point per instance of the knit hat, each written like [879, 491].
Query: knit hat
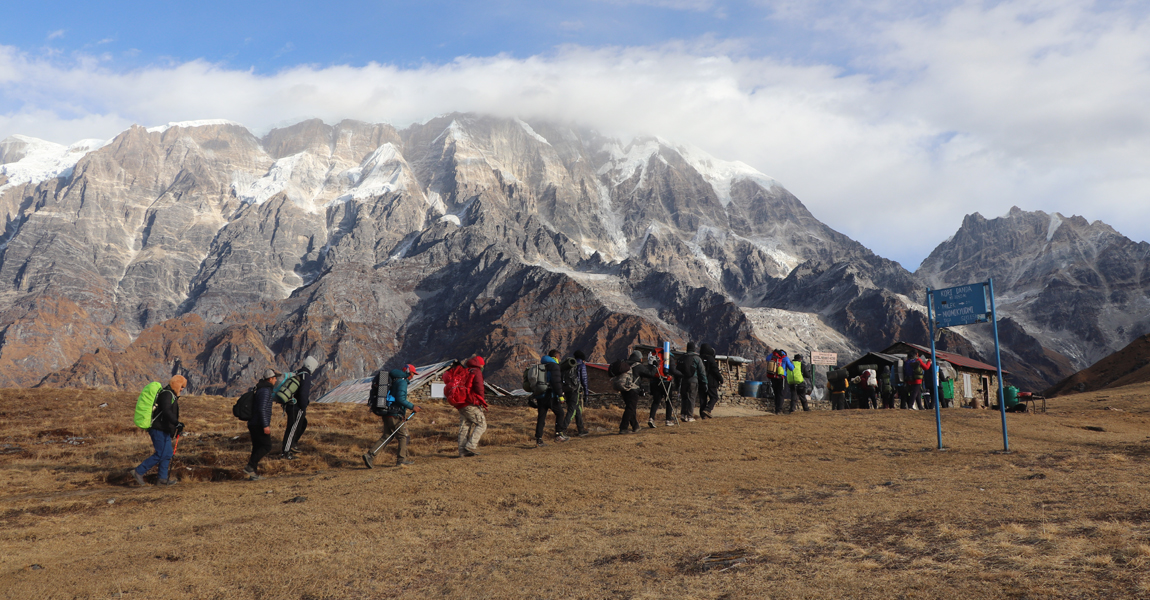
[177, 384]
[690, 346]
[636, 357]
[579, 355]
[269, 373]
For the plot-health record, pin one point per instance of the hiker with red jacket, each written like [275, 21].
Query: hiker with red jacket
[915, 369]
[472, 422]
[163, 429]
[778, 367]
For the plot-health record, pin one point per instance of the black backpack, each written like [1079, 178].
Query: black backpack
[242, 409]
[374, 396]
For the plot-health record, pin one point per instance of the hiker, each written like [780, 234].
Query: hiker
[575, 389]
[837, 385]
[260, 423]
[714, 379]
[778, 367]
[164, 428]
[796, 383]
[625, 379]
[694, 378]
[551, 399]
[867, 383]
[914, 370]
[295, 407]
[661, 389]
[472, 422]
[394, 413]
[886, 388]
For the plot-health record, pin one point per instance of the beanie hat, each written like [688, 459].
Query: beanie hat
[690, 346]
[177, 384]
[269, 373]
[636, 356]
[311, 364]
[477, 361]
[579, 355]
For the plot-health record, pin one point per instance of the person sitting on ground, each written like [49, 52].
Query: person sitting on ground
[260, 423]
[472, 422]
[394, 414]
[551, 399]
[164, 427]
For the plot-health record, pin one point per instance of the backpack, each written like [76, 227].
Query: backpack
[918, 371]
[457, 383]
[687, 367]
[146, 405]
[284, 392]
[535, 379]
[775, 367]
[620, 375]
[373, 399]
[570, 377]
[242, 409]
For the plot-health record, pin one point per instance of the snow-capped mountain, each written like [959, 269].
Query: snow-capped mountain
[198, 247]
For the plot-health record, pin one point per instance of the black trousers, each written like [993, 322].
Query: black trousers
[548, 401]
[261, 445]
[914, 394]
[710, 400]
[888, 399]
[838, 400]
[867, 397]
[777, 385]
[630, 407]
[661, 397]
[798, 393]
[689, 394]
[296, 425]
[574, 411]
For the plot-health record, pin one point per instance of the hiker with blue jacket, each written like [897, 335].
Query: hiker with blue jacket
[163, 429]
[260, 423]
[394, 414]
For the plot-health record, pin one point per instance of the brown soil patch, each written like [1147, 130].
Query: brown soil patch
[812, 505]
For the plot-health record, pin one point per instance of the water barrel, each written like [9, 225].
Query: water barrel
[749, 389]
[1010, 396]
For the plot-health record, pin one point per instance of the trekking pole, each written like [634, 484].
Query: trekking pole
[397, 430]
[179, 432]
[673, 414]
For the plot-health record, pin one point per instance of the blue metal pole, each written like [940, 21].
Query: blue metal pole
[933, 365]
[998, 363]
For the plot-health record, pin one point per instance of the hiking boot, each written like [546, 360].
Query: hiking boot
[466, 452]
[559, 437]
[296, 450]
[670, 423]
[368, 460]
[539, 443]
[170, 481]
[651, 423]
[251, 474]
[403, 462]
[287, 456]
[584, 433]
[705, 415]
[690, 419]
[139, 478]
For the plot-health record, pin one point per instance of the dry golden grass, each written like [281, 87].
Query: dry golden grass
[853, 504]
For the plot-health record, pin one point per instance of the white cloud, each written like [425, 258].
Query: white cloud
[59, 33]
[976, 108]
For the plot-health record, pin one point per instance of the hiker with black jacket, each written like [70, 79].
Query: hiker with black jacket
[295, 409]
[661, 388]
[394, 414]
[627, 380]
[714, 379]
[694, 379]
[164, 427]
[260, 423]
[551, 400]
[575, 390]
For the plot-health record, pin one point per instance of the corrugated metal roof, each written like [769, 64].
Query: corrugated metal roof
[957, 360]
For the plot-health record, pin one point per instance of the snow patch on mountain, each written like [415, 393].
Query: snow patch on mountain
[531, 132]
[29, 160]
[382, 173]
[720, 173]
[278, 178]
[190, 124]
[625, 161]
[1055, 223]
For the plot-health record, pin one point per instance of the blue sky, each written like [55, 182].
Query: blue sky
[889, 119]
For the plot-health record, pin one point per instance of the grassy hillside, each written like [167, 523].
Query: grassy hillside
[822, 504]
[1128, 366]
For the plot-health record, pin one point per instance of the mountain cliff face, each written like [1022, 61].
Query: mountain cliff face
[202, 249]
[1081, 289]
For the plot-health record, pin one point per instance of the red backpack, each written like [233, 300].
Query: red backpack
[457, 386]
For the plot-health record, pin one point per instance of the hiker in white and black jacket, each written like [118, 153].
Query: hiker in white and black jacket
[296, 409]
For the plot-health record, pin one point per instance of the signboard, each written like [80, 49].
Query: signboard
[437, 390]
[824, 358]
[960, 305]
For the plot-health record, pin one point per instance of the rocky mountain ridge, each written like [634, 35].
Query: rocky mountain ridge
[199, 248]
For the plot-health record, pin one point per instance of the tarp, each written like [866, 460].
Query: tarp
[356, 391]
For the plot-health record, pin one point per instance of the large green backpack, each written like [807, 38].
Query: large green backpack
[284, 392]
[146, 405]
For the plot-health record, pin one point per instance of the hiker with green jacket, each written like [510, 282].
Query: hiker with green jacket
[163, 429]
[394, 414]
[694, 379]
